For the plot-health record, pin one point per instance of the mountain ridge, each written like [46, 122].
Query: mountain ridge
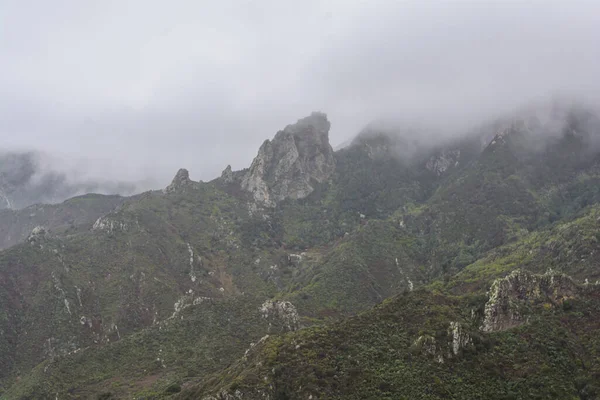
[374, 224]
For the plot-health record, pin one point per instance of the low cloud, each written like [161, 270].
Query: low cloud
[132, 91]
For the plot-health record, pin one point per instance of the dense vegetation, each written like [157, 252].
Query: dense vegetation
[377, 355]
[171, 293]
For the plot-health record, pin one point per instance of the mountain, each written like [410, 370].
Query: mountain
[399, 266]
[299, 157]
[535, 337]
[76, 213]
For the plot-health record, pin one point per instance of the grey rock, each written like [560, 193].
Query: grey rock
[284, 311]
[180, 181]
[509, 297]
[227, 175]
[288, 166]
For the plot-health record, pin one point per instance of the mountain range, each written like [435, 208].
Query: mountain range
[403, 265]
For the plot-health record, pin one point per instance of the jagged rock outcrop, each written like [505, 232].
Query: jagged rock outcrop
[458, 339]
[227, 175]
[509, 297]
[289, 165]
[37, 233]
[179, 182]
[283, 311]
[109, 224]
[427, 345]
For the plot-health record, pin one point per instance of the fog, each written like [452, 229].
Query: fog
[134, 90]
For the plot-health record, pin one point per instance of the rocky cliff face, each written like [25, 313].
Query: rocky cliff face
[458, 339]
[289, 165]
[510, 296]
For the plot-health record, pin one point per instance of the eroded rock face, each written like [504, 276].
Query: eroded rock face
[37, 234]
[289, 165]
[509, 296]
[109, 224]
[180, 181]
[284, 311]
[227, 175]
[458, 339]
[427, 345]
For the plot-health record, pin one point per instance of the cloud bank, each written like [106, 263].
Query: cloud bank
[133, 90]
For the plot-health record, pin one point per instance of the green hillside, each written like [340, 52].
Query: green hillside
[383, 259]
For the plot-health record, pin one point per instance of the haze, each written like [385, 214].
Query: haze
[134, 90]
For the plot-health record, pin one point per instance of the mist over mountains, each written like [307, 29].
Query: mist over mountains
[319, 199]
[200, 84]
[28, 178]
[406, 252]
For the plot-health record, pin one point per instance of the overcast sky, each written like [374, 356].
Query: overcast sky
[141, 88]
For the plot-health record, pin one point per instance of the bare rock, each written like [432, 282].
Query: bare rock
[289, 165]
[227, 175]
[180, 181]
[509, 297]
[37, 233]
[283, 311]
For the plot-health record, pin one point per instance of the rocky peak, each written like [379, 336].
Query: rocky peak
[180, 181]
[289, 165]
[227, 175]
